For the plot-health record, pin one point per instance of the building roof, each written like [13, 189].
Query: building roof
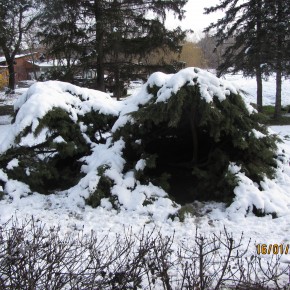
[3, 59]
[50, 63]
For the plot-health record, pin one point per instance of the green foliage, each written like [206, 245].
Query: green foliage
[60, 124]
[193, 143]
[54, 163]
[269, 119]
[103, 189]
[283, 120]
[242, 49]
[97, 125]
[109, 36]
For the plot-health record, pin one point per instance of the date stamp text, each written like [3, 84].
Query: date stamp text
[275, 249]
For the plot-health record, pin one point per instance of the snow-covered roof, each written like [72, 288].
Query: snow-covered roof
[46, 64]
[50, 63]
[2, 58]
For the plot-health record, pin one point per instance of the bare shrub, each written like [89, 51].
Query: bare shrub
[35, 257]
[221, 262]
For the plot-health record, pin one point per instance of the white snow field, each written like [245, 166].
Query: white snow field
[248, 85]
[67, 209]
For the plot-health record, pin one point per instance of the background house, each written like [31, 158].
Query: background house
[23, 66]
[34, 65]
[38, 66]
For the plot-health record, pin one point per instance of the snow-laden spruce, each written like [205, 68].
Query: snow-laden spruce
[189, 135]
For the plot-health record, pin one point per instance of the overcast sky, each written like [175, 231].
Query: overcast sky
[195, 19]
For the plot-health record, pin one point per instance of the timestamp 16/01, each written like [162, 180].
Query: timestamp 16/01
[275, 249]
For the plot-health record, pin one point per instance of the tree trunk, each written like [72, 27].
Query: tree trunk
[278, 93]
[279, 56]
[100, 69]
[99, 46]
[117, 87]
[258, 62]
[11, 82]
[259, 89]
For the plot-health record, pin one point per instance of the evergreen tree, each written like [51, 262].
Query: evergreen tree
[63, 34]
[244, 24]
[191, 142]
[134, 35]
[118, 32]
[124, 32]
[50, 164]
[278, 43]
[16, 17]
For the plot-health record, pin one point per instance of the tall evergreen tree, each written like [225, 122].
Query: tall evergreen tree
[123, 32]
[16, 17]
[278, 44]
[63, 33]
[244, 24]
[119, 31]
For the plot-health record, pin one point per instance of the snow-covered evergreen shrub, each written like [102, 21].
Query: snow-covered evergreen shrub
[51, 163]
[183, 137]
[195, 126]
[57, 129]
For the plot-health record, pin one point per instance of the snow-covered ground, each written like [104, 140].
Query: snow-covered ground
[249, 86]
[209, 217]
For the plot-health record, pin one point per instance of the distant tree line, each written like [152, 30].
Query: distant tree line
[109, 36]
[253, 36]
